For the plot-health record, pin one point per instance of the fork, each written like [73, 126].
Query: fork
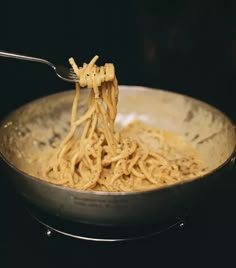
[65, 73]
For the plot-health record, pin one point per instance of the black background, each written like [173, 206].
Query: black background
[185, 46]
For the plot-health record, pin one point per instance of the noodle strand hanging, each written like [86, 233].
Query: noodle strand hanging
[103, 159]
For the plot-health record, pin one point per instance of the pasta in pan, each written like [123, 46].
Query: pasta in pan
[135, 159]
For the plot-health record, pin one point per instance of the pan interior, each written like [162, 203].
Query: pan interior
[34, 130]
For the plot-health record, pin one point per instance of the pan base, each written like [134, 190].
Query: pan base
[56, 226]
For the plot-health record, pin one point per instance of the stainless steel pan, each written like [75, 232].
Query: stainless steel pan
[41, 124]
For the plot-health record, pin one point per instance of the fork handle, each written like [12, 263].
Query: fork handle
[24, 57]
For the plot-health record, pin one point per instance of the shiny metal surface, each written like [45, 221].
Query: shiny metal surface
[62, 72]
[172, 111]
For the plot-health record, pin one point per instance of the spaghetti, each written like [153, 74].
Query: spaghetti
[106, 160]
